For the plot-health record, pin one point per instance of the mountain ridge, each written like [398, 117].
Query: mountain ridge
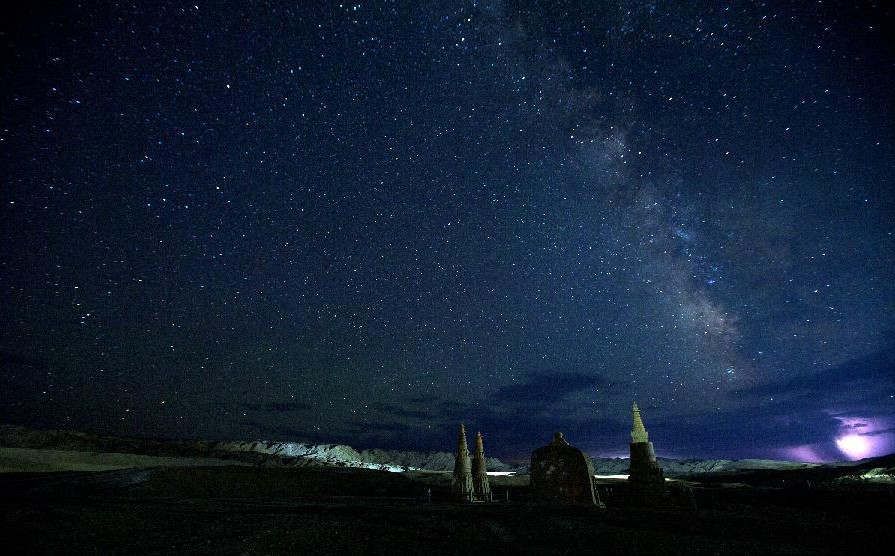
[263, 452]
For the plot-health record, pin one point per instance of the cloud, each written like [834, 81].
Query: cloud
[402, 412]
[518, 433]
[857, 381]
[762, 431]
[889, 430]
[286, 406]
[424, 398]
[545, 388]
[508, 434]
[515, 419]
[278, 432]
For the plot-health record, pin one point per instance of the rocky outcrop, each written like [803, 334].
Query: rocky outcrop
[562, 474]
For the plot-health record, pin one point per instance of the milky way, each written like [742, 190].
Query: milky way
[364, 223]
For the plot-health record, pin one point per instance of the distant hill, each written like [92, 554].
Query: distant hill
[254, 452]
[84, 451]
[680, 467]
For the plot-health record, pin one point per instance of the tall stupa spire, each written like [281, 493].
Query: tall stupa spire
[645, 477]
[638, 431]
[462, 448]
[461, 486]
[480, 471]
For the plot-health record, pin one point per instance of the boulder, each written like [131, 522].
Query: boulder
[562, 474]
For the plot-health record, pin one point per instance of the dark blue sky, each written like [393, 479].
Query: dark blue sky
[364, 223]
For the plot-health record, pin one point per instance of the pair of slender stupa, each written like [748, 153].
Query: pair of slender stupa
[470, 482]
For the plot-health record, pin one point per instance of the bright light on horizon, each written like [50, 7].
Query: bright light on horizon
[864, 437]
[854, 446]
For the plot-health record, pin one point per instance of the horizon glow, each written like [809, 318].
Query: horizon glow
[854, 446]
[861, 437]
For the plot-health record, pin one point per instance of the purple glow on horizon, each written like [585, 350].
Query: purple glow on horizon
[809, 453]
[854, 446]
[857, 438]
[861, 438]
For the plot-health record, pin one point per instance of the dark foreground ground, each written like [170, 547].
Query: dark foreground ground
[245, 510]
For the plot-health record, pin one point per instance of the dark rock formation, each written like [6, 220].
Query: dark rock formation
[480, 471]
[461, 486]
[562, 474]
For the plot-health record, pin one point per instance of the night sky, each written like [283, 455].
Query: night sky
[366, 223]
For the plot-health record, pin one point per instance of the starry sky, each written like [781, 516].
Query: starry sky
[365, 223]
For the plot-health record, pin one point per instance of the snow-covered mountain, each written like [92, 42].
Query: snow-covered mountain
[679, 467]
[258, 452]
[339, 454]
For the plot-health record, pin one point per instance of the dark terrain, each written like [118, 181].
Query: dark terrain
[270, 510]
